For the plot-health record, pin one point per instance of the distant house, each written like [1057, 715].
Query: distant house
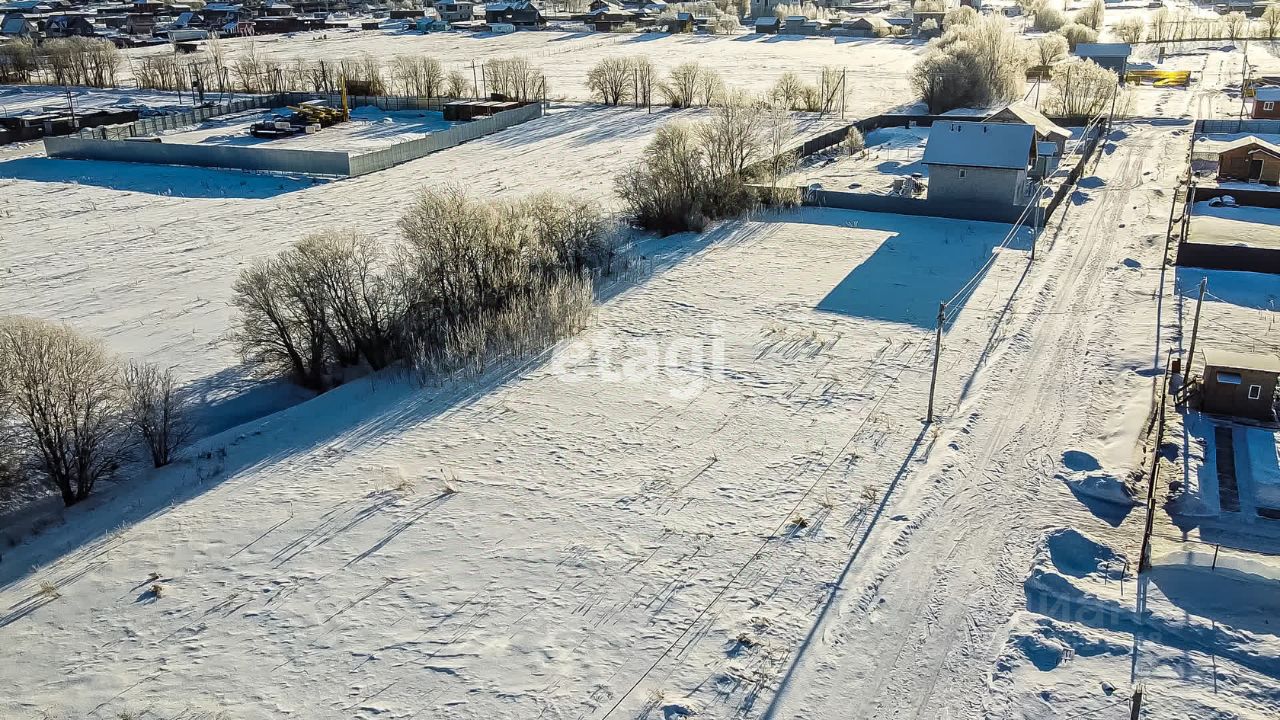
[1266, 103]
[69, 25]
[16, 25]
[683, 23]
[609, 18]
[1239, 384]
[1046, 129]
[869, 26]
[918, 20]
[1112, 56]
[452, 11]
[140, 24]
[979, 162]
[1250, 159]
[519, 14]
[767, 25]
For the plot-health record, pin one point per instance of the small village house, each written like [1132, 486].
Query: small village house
[1112, 56]
[979, 162]
[1250, 159]
[519, 14]
[452, 11]
[767, 25]
[1266, 103]
[1046, 130]
[869, 26]
[1239, 384]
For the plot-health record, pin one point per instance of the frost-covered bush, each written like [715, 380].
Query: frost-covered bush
[971, 65]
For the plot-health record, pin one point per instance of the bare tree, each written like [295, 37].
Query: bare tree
[157, 411]
[65, 392]
[1233, 23]
[1075, 33]
[1091, 15]
[1130, 29]
[612, 80]
[1271, 21]
[418, 76]
[1081, 88]
[1049, 49]
[971, 65]
[458, 84]
[281, 325]
[516, 78]
[688, 84]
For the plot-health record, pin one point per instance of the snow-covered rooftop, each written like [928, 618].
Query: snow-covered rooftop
[1266, 362]
[978, 144]
[1104, 50]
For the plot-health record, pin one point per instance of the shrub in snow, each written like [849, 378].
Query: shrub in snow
[156, 411]
[1075, 33]
[692, 173]
[1048, 19]
[796, 94]
[1130, 29]
[963, 15]
[971, 65]
[854, 143]
[63, 400]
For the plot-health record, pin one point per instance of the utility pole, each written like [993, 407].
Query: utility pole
[71, 106]
[475, 80]
[1195, 328]
[1115, 91]
[1135, 703]
[937, 351]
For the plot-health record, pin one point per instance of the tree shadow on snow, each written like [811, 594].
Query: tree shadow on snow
[167, 180]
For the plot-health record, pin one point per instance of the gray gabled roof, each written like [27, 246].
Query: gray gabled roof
[1251, 140]
[1265, 362]
[979, 144]
[1103, 50]
[1045, 127]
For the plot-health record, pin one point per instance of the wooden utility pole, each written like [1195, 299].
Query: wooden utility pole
[1195, 329]
[1135, 703]
[937, 351]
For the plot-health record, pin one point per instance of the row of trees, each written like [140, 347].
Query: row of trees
[71, 415]
[468, 282]
[1165, 25]
[627, 80]
[94, 62]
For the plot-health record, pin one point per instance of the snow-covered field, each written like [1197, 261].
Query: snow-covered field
[719, 499]
[878, 70]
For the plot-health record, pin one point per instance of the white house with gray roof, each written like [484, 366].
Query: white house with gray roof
[979, 162]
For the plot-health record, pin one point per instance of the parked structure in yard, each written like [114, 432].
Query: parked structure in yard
[1023, 113]
[1112, 56]
[767, 25]
[981, 162]
[1250, 159]
[1266, 103]
[1239, 384]
[869, 26]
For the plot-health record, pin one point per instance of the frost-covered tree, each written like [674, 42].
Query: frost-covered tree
[1091, 15]
[1130, 29]
[1271, 20]
[971, 65]
[1075, 33]
[1081, 88]
[1049, 49]
[63, 393]
[612, 80]
[1048, 19]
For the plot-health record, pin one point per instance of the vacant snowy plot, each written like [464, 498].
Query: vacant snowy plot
[144, 255]
[878, 76]
[531, 543]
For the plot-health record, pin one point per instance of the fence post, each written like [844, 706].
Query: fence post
[1135, 703]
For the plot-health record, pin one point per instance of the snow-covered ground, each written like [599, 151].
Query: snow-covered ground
[719, 499]
[368, 129]
[878, 70]
[1223, 225]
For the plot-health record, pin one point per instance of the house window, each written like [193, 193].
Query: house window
[1255, 392]
[1229, 378]
[1268, 106]
[962, 174]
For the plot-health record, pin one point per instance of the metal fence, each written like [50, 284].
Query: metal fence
[1209, 127]
[305, 162]
[382, 102]
[456, 135]
[160, 123]
[113, 146]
